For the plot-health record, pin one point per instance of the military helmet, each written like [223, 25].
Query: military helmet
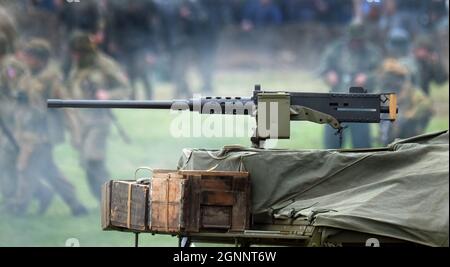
[3, 44]
[398, 34]
[398, 42]
[39, 48]
[356, 30]
[393, 66]
[81, 42]
[424, 41]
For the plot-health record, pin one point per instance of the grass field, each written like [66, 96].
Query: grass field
[154, 146]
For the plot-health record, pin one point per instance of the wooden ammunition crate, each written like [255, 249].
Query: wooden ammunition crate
[216, 201]
[165, 202]
[124, 205]
[179, 202]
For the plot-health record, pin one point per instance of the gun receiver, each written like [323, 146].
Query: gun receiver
[273, 109]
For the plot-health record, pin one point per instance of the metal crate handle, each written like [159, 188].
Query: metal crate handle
[145, 180]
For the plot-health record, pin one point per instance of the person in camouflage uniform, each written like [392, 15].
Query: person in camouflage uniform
[349, 62]
[38, 174]
[47, 75]
[131, 35]
[11, 72]
[181, 22]
[94, 75]
[398, 47]
[415, 108]
[422, 61]
[86, 16]
[8, 28]
[428, 63]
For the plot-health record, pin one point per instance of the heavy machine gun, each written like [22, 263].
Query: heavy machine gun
[273, 110]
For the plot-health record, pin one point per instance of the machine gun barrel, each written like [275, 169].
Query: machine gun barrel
[116, 104]
[177, 104]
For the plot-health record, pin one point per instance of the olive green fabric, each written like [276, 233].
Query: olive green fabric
[400, 191]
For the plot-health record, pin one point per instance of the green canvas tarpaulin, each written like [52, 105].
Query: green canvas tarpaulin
[400, 191]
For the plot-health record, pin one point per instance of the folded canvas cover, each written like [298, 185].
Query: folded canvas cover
[400, 191]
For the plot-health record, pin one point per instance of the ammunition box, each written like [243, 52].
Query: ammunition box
[165, 202]
[219, 201]
[175, 202]
[124, 205]
[274, 115]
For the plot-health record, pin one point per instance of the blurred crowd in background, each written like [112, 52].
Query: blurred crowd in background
[134, 32]
[152, 36]
[108, 49]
